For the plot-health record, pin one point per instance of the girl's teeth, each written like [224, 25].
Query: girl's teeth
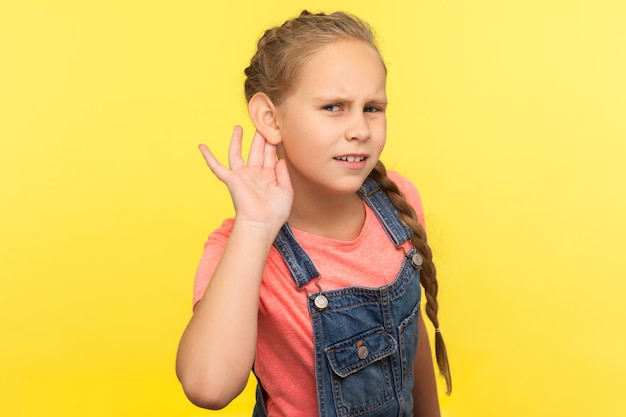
[351, 158]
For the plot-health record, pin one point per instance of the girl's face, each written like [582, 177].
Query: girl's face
[333, 123]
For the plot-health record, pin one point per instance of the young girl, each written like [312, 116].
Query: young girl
[315, 284]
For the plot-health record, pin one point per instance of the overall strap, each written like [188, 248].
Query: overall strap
[298, 261]
[386, 212]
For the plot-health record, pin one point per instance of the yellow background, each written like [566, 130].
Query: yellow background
[510, 116]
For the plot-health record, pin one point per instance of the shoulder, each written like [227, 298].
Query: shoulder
[222, 232]
[405, 185]
[410, 192]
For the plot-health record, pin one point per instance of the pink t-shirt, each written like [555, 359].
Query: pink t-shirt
[284, 359]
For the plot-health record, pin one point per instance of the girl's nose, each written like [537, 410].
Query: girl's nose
[358, 128]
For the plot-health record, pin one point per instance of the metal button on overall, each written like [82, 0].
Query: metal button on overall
[417, 260]
[362, 352]
[321, 302]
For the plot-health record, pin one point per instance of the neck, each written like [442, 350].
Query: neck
[334, 217]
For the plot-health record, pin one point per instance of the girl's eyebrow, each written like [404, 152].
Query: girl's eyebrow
[337, 99]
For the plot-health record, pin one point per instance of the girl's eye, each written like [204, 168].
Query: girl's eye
[370, 109]
[332, 107]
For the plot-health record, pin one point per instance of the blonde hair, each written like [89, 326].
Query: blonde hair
[283, 50]
[281, 53]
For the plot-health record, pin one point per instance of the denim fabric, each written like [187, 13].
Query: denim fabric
[365, 339]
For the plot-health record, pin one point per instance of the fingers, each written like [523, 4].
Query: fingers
[257, 150]
[218, 169]
[269, 160]
[234, 155]
[235, 161]
[282, 175]
[262, 155]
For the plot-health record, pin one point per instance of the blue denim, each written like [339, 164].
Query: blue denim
[365, 339]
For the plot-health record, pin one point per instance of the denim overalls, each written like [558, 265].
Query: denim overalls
[365, 339]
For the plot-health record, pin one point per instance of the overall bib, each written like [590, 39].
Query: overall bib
[365, 339]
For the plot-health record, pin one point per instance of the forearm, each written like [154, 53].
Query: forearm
[425, 399]
[217, 349]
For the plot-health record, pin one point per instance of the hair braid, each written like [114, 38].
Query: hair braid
[428, 276]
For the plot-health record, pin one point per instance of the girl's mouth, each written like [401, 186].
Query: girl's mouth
[350, 158]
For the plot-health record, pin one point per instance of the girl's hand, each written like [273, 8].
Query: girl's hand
[261, 190]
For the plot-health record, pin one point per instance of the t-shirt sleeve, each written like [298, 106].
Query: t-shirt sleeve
[213, 249]
[411, 193]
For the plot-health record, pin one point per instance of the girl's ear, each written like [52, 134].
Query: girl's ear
[264, 115]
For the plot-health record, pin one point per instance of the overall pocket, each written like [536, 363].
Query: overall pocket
[361, 372]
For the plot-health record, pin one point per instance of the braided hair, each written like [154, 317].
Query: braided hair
[428, 275]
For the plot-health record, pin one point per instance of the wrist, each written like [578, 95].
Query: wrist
[256, 229]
